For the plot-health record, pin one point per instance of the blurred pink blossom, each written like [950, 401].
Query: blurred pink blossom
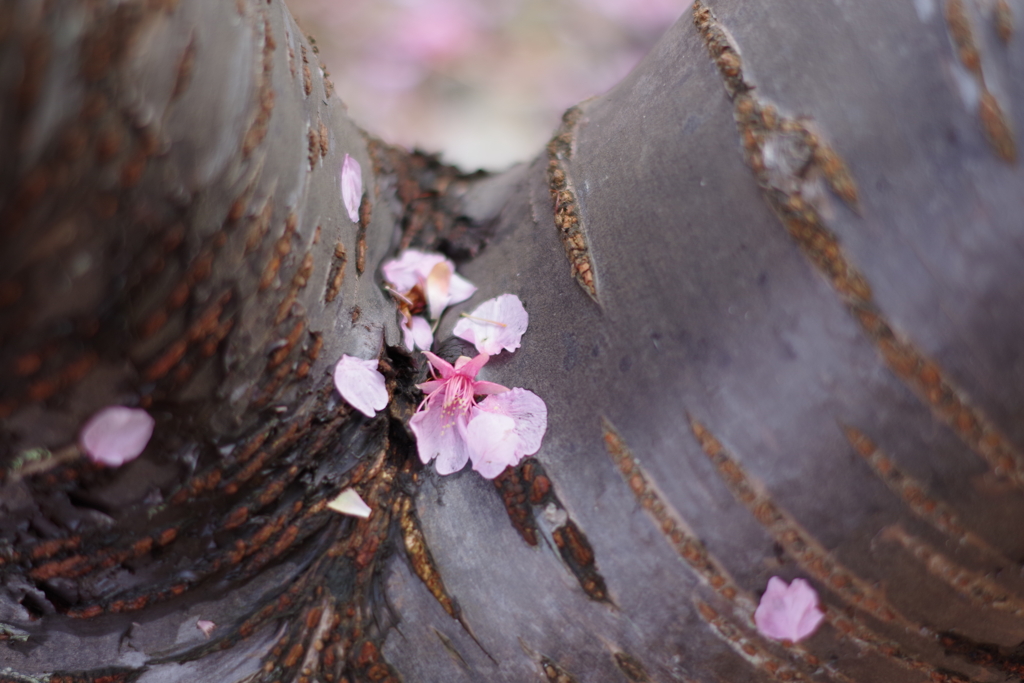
[116, 435]
[435, 31]
[206, 626]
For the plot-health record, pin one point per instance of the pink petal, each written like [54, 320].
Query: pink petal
[411, 268]
[494, 325]
[359, 383]
[788, 612]
[529, 413]
[206, 626]
[441, 434]
[417, 333]
[492, 443]
[430, 386]
[351, 187]
[471, 367]
[116, 435]
[440, 365]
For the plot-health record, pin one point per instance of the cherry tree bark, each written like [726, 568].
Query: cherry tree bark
[773, 282]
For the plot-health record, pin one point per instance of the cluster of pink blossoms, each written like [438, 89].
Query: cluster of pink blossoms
[451, 427]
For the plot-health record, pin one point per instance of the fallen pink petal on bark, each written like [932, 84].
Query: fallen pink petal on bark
[351, 187]
[206, 626]
[116, 435]
[788, 612]
[496, 324]
[359, 383]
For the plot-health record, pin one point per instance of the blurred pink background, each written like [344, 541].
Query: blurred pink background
[484, 82]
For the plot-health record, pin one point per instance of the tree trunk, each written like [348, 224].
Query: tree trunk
[772, 280]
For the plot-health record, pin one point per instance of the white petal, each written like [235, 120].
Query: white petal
[528, 411]
[495, 324]
[116, 435]
[349, 502]
[351, 187]
[359, 383]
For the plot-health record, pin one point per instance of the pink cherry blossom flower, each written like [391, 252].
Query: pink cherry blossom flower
[351, 187]
[116, 435]
[206, 626]
[451, 427]
[433, 275]
[788, 612]
[494, 325]
[359, 383]
[416, 333]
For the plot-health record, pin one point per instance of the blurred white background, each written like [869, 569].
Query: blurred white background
[484, 82]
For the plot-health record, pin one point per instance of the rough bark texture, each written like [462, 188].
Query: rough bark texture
[772, 277]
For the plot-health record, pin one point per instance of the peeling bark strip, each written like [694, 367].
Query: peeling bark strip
[748, 647]
[994, 123]
[974, 586]
[1002, 16]
[820, 564]
[710, 572]
[567, 212]
[757, 122]
[679, 535]
[528, 494]
[428, 193]
[805, 550]
[916, 496]
[989, 655]
[422, 561]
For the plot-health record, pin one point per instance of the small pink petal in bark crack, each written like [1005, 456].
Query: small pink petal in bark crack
[206, 626]
[452, 428]
[351, 187]
[416, 333]
[788, 612]
[494, 325]
[359, 383]
[116, 435]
